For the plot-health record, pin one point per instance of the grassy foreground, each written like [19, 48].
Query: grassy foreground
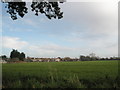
[80, 74]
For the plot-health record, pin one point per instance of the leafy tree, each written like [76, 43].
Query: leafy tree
[22, 56]
[50, 9]
[4, 57]
[67, 59]
[88, 58]
[15, 54]
[82, 58]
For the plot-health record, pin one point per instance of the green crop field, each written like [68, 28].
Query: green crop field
[79, 74]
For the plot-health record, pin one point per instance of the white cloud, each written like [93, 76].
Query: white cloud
[94, 17]
[51, 50]
[92, 27]
[54, 50]
[102, 49]
[30, 22]
[36, 50]
[13, 42]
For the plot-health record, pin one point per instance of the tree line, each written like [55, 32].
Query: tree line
[89, 58]
[16, 54]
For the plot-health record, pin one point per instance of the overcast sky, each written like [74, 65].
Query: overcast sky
[85, 28]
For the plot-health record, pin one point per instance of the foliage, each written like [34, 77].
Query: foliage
[4, 57]
[15, 54]
[89, 74]
[89, 58]
[22, 56]
[50, 9]
[66, 59]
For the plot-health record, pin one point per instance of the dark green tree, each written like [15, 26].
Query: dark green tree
[4, 57]
[22, 56]
[82, 58]
[88, 58]
[50, 9]
[14, 54]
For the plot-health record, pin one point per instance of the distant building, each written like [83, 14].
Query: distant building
[57, 60]
[3, 61]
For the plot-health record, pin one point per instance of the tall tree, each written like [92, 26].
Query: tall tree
[22, 56]
[14, 54]
[50, 9]
[82, 58]
[3, 57]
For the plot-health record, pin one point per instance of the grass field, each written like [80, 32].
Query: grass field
[80, 74]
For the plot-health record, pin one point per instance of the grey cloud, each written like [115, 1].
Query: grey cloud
[98, 17]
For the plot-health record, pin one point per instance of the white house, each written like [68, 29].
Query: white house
[57, 59]
[3, 61]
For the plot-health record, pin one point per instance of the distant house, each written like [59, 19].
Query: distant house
[28, 60]
[39, 60]
[34, 60]
[3, 61]
[57, 59]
